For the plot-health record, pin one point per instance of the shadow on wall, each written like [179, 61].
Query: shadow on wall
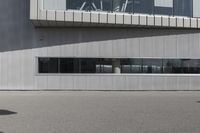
[51, 36]
[6, 112]
[17, 32]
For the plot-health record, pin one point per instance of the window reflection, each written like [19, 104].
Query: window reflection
[183, 7]
[79, 4]
[106, 65]
[90, 5]
[152, 66]
[194, 66]
[126, 66]
[136, 65]
[163, 7]
[48, 65]
[122, 5]
[129, 65]
[143, 6]
[101, 5]
[172, 66]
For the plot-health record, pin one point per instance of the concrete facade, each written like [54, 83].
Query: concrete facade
[21, 43]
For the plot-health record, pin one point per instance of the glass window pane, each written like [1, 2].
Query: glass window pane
[79, 4]
[143, 6]
[77, 65]
[152, 66]
[122, 5]
[54, 4]
[185, 65]
[163, 3]
[196, 9]
[106, 66]
[88, 65]
[163, 11]
[48, 65]
[98, 65]
[164, 7]
[183, 7]
[136, 65]
[101, 5]
[172, 66]
[194, 66]
[67, 65]
[125, 66]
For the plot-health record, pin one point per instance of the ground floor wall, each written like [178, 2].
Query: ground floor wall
[21, 43]
[18, 68]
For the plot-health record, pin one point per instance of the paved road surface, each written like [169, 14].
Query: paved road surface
[100, 112]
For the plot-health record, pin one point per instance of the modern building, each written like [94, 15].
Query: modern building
[100, 45]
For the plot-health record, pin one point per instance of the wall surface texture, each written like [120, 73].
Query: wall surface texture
[21, 43]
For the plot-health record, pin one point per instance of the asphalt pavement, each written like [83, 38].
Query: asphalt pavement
[99, 112]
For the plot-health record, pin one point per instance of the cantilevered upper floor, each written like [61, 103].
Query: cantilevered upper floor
[156, 13]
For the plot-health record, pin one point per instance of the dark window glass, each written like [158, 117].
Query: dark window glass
[131, 65]
[125, 65]
[183, 7]
[152, 66]
[136, 65]
[122, 5]
[143, 6]
[172, 66]
[164, 7]
[90, 5]
[194, 66]
[185, 66]
[79, 4]
[101, 5]
[77, 65]
[163, 10]
[105, 65]
[88, 65]
[66, 65]
[48, 65]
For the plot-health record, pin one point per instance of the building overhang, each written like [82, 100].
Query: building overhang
[53, 18]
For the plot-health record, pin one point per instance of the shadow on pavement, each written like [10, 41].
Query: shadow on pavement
[198, 101]
[6, 112]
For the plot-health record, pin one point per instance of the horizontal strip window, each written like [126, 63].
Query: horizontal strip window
[163, 7]
[108, 65]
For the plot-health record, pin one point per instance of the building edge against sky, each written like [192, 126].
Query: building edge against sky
[44, 49]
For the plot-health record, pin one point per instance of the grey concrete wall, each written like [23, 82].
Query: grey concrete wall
[21, 43]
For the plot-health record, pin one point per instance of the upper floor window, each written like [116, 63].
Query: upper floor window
[183, 7]
[123, 5]
[143, 6]
[163, 7]
[90, 5]
[128, 65]
[54, 4]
